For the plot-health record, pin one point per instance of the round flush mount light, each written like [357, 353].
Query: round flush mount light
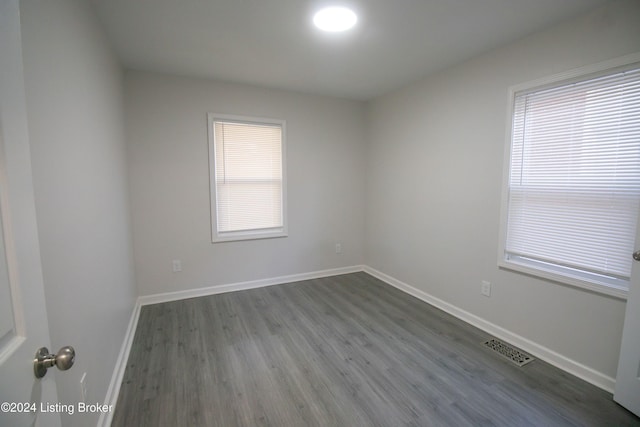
[335, 19]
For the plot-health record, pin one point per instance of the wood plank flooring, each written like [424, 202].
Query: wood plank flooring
[340, 351]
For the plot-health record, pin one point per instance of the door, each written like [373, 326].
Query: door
[23, 317]
[627, 392]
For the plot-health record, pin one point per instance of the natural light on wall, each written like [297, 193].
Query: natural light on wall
[335, 19]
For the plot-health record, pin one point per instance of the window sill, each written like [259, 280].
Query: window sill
[565, 279]
[248, 235]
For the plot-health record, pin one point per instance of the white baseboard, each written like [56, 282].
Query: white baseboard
[121, 363]
[571, 366]
[241, 286]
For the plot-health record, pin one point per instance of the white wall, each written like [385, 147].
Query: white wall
[169, 178]
[76, 126]
[434, 178]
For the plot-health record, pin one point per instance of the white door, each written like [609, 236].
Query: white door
[627, 392]
[23, 317]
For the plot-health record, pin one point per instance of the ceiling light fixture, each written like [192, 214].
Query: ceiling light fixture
[335, 19]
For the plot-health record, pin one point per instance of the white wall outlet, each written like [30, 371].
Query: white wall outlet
[486, 288]
[83, 387]
[338, 248]
[177, 266]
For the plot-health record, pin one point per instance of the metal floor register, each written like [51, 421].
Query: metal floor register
[506, 350]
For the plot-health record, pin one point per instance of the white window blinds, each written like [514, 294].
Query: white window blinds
[248, 177]
[574, 182]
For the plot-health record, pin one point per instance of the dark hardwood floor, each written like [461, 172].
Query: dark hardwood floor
[340, 351]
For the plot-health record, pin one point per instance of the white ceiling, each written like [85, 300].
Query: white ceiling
[272, 43]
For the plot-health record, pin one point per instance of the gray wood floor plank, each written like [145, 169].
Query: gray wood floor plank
[340, 351]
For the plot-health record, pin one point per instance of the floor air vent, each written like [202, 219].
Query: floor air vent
[507, 350]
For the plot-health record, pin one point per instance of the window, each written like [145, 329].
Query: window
[572, 196]
[247, 175]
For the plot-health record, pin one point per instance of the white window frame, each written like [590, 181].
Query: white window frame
[538, 269]
[230, 236]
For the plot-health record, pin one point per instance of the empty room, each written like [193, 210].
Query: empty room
[318, 213]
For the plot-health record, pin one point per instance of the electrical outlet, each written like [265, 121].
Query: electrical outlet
[83, 387]
[486, 288]
[177, 266]
[338, 248]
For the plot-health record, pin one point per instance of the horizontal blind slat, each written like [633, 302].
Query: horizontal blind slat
[248, 176]
[574, 183]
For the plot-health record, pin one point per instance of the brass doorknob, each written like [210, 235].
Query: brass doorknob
[63, 359]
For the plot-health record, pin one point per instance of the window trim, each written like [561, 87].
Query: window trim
[232, 236]
[605, 287]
